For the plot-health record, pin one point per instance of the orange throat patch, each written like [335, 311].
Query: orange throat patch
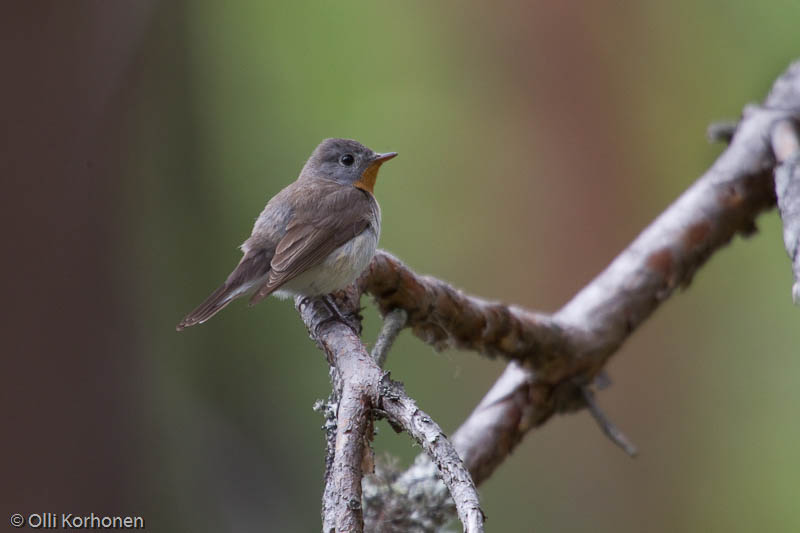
[367, 180]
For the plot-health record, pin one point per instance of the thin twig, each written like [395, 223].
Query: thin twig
[394, 321]
[404, 412]
[612, 431]
[721, 131]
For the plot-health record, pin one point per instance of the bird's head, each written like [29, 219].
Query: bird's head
[346, 161]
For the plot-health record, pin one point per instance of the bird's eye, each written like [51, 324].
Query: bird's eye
[347, 160]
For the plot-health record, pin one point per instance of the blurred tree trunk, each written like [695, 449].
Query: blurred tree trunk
[67, 444]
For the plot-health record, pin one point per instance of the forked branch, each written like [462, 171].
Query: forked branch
[361, 389]
[553, 358]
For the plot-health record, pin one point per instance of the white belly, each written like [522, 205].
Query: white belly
[337, 271]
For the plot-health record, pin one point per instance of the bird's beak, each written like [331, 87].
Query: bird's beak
[380, 158]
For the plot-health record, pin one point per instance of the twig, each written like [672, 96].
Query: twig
[422, 428]
[612, 431]
[786, 145]
[394, 321]
[721, 131]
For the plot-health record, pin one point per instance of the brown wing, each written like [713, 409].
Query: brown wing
[319, 226]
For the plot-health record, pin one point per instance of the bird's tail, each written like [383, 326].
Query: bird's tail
[250, 271]
[212, 305]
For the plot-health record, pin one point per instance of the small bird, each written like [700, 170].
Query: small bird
[314, 237]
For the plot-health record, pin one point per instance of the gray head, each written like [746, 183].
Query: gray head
[345, 161]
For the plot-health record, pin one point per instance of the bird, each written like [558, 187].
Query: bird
[314, 237]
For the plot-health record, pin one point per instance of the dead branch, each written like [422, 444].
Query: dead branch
[403, 411]
[360, 389]
[355, 382]
[553, 356]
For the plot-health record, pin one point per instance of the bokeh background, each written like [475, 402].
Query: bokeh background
[140, 139]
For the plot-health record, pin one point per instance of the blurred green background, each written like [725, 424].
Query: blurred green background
[536, 140]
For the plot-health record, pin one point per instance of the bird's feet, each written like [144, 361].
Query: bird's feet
[336, 314]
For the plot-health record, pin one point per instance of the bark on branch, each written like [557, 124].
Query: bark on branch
[786, 145]
[355, 391]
